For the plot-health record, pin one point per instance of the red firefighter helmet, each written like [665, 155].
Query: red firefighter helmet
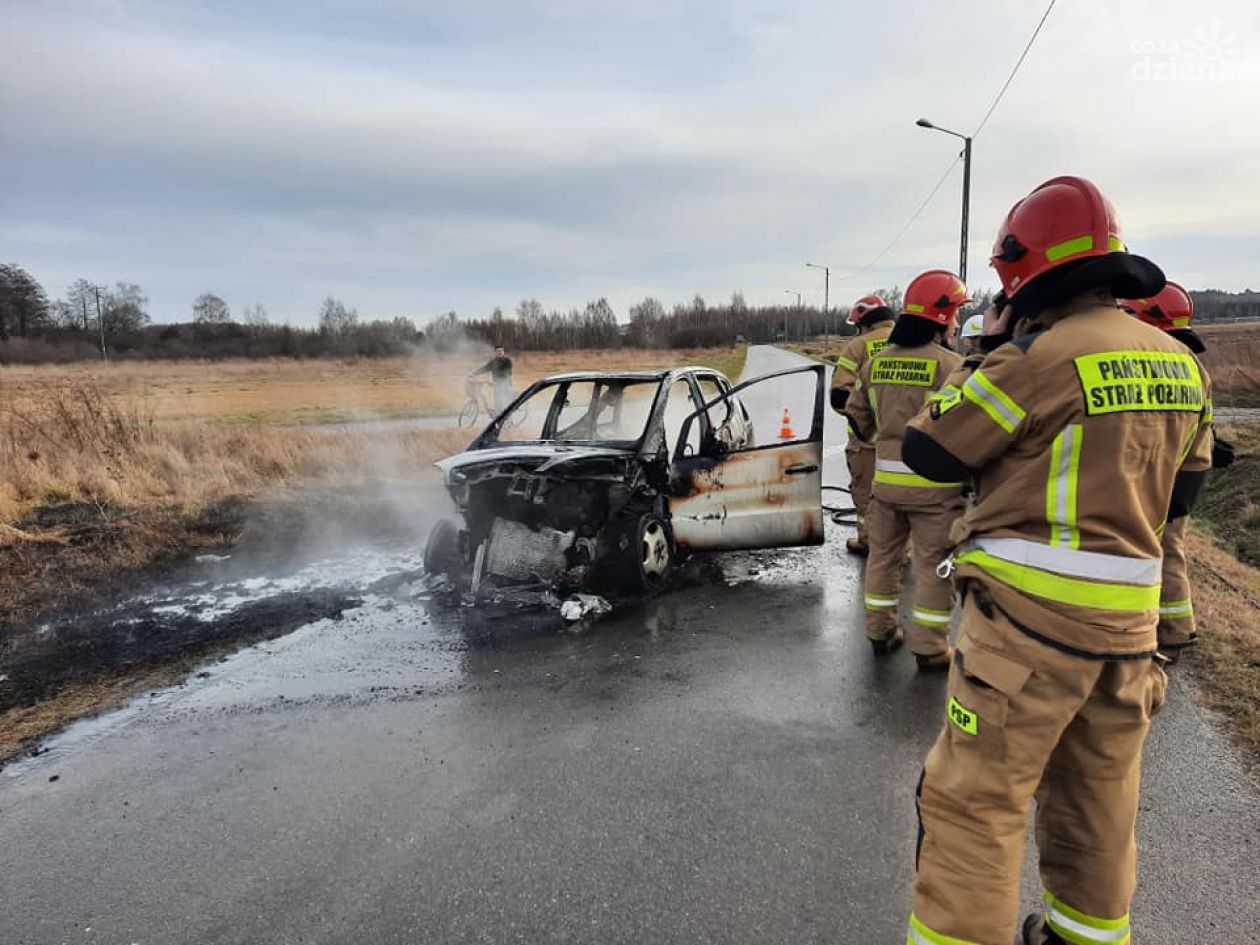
[1063, 220]
[1169, 309]
[864, 306]
[935, 295]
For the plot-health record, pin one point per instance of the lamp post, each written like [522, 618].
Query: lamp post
[966, 196]
[826, 298]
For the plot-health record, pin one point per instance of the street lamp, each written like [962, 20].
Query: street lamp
[966, 200]
[826, 296]
[798, 305]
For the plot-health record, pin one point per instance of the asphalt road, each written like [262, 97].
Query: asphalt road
[725, 764]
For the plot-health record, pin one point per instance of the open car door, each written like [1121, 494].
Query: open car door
[763, 492]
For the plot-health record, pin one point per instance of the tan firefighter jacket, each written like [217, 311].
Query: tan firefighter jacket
[891, 389]
[1077, 433]
[853, 357]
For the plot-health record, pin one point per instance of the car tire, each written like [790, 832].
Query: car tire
[647, 553]
[441, 550]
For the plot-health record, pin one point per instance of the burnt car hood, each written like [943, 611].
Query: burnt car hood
[538, 458]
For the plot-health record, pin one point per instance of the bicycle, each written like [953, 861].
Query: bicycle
[478, 403]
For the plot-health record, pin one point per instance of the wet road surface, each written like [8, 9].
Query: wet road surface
[723, 764]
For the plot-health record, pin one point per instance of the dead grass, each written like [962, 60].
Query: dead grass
[1225, 664]
[276, 391]
[1233, 361]
[81, 444]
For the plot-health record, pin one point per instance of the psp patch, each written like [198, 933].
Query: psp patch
[1120, 381]
[963, 717]
[915, 372]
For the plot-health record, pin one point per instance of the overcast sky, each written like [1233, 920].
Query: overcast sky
[414, 156]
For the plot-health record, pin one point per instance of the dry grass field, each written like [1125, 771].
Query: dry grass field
[317, 391]
[1233, 360]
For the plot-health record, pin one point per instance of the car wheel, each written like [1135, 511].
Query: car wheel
[648, 553]
[441, 550]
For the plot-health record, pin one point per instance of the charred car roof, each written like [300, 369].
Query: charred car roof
[626, 375]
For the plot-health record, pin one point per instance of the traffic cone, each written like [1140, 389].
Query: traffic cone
[785, 431]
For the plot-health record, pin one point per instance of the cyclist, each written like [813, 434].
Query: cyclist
[500, 370]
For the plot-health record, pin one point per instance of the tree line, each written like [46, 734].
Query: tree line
[94, 321]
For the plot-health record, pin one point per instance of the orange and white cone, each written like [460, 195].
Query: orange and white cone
[785, 431]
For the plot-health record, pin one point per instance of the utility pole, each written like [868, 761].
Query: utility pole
[100, 320]
[966, 194]
[826, 299]
[966, 209]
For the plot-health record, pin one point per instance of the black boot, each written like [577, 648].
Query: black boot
[1036, 932]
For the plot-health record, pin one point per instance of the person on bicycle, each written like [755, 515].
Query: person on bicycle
[500, 370]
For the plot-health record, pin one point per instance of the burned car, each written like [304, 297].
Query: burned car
[604, 479]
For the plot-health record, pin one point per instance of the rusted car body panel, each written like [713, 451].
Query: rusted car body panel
[761, 498]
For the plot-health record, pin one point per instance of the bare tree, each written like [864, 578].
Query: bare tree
[125, 309]
[78, 308]
[209, 309]
[255, 317]
[335, 318]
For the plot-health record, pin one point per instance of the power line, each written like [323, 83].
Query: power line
[975, 134]
[909, 223]
[1010, 78]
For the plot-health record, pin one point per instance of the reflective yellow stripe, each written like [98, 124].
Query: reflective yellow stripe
[1080, 244]
[914, 307]
[910, 479]
[1061, 486]
[893, 472]
[1176, 609]
[1188, 443]
[919, 934]
[1072, 247]
[874, 602]
[874, 401]
[1083, 929]
[846, 363]
[1094, 565]
[994, 401]
[933, 618]
[1080, 592]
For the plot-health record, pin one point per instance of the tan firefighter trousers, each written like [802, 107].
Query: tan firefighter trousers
[889, 527]
[1021, 718]
[861, 460]
[1176, 611]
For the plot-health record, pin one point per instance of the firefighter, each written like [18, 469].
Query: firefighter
[874, 320]
[891, 388]
[1085, 430]
[1172, 310]
[969, 335]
